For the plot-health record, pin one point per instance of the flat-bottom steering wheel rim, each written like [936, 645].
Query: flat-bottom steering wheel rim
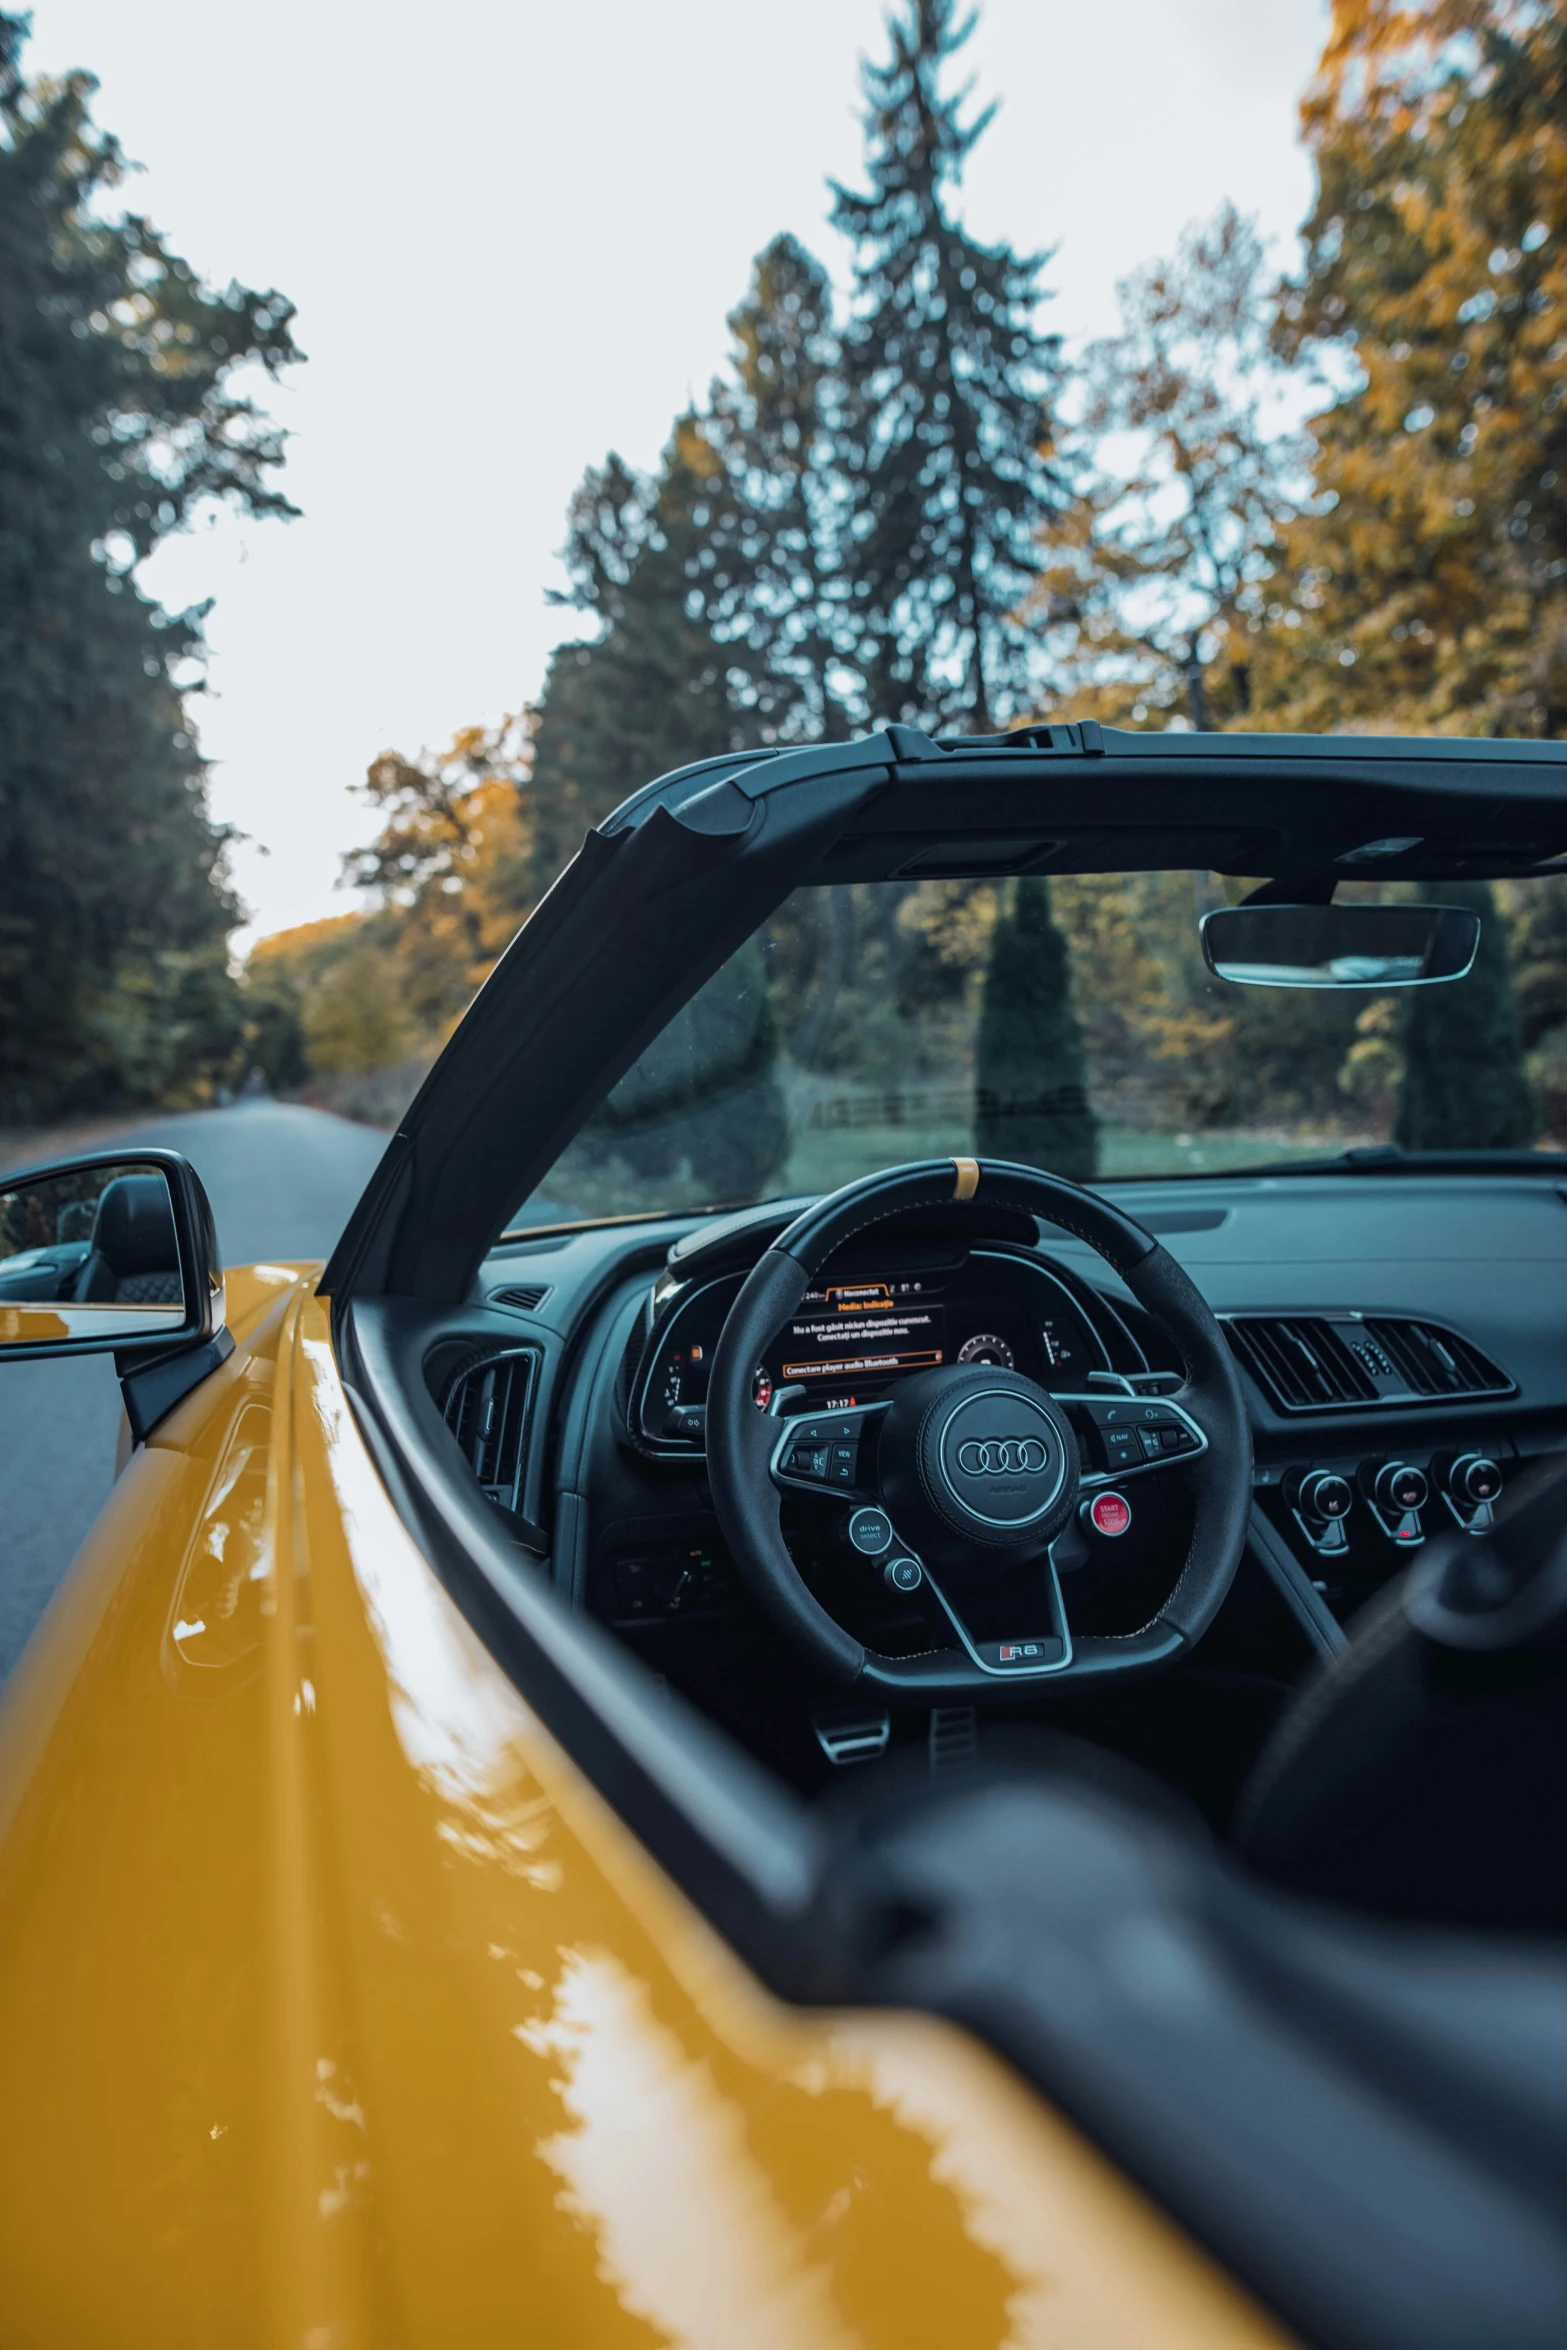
[740, 1439]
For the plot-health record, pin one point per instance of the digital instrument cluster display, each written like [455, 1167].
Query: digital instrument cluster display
[863, 1330]
[852, 1340]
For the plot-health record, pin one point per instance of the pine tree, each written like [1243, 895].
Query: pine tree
[1030, 1075]
[1464, 1084]
[704, 1098]
[1535, 913]
[778, 590]
[648, 693]
[949, 382]
[1427, 586]
[117, 417]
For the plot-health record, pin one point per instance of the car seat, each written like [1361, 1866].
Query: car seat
[134, 1257]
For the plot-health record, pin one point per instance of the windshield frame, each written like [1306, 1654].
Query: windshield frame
[688, 866]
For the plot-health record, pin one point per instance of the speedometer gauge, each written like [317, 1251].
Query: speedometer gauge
[762, 1387]
[985, 1347]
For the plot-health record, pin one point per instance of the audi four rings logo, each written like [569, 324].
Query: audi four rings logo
[1004, 1456]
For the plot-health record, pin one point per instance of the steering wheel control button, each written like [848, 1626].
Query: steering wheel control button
[903, 1574]
[824, 1448]
[1110, 1514]
[1129, 1433]
[870, 1532]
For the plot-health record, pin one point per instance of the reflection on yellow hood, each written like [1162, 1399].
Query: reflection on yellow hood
[337, 2009]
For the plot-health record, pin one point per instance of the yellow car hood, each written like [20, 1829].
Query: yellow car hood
[337, 2009]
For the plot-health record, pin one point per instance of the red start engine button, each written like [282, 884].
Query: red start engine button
[1109, 1513]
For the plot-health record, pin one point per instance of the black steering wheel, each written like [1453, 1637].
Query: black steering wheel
[962, 1482]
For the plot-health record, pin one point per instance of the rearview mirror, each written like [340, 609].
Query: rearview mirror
[1340, 946]
[113, 1252]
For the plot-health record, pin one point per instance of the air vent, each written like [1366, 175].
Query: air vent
[1435, 1361]
[527, 1298]
[487, 1411]
[1300, 1362]
[1349, 1362]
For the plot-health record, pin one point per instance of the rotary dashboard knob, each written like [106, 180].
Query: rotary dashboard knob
[1325, 1495]
[1398, 1491]
[1321, 1499]
[1474, 1477]
[1399, 1487]
[1471, 1485]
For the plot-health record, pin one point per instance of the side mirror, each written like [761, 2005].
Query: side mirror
[1340, 946]
[114, 1253]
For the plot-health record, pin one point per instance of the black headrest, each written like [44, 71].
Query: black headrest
[133, 1230]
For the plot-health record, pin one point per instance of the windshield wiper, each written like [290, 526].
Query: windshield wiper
[1386, 1158]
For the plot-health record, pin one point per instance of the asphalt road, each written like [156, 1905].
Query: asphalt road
[282, 1180]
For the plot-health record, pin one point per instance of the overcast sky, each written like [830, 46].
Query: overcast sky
[513, 232]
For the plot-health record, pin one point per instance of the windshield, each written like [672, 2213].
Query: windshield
[1070, 1023]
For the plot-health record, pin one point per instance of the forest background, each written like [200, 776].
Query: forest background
[1332, 502]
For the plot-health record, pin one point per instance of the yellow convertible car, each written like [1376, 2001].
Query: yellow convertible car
[722, 1734]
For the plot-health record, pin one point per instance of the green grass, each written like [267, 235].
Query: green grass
[1124, 1153]
[822, 1159]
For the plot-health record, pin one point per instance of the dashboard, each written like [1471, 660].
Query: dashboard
[862, 1331]
[1396, 1334]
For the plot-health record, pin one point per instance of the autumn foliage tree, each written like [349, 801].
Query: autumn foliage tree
[1427, 581]
[896, 507]
[1153, 568]
[452, 863]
